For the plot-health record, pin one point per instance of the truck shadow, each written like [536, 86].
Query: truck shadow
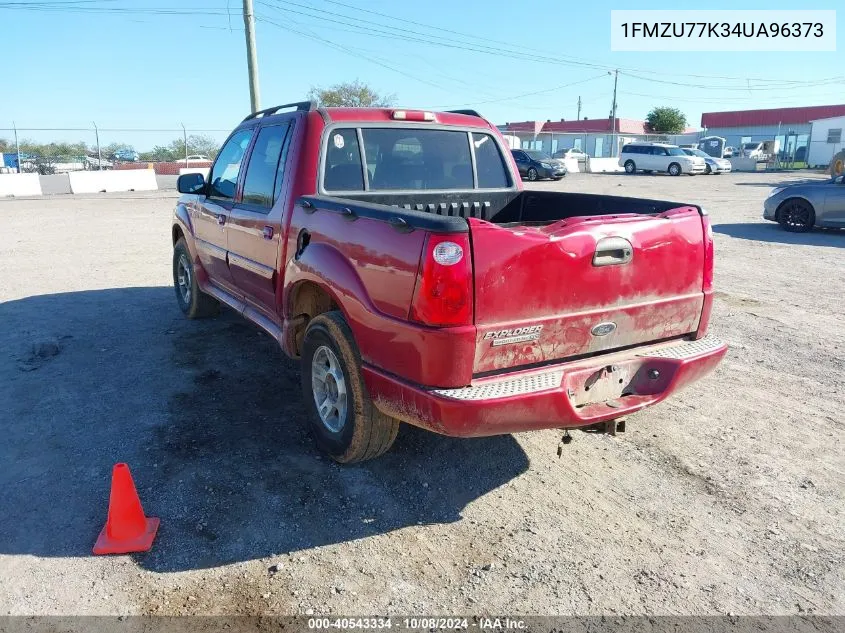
[209, 416]
[772, 232]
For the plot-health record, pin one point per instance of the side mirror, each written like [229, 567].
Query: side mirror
[190, 183]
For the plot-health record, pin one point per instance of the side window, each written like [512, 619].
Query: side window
[488, 161]
[264, 166]
[224, 174]
[343, 170]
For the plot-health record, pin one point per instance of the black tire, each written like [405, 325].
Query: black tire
[675, 169]
[193, 302]
[796, 215]
[708, 170]
[364, 432]
[532, 174]
[630, 167]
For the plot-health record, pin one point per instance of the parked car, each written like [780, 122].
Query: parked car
[129, 155]
[799, 208]
[649, 157]
[534, 165]
[197, 158]
[396, 255]
[712, 165]
[729, 152]
[572, 153]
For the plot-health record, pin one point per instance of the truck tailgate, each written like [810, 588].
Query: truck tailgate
[584, 285]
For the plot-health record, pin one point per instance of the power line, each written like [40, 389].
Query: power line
[508, 44]
[525, 94]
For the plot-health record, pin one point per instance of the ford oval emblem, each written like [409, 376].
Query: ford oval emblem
[603, 329]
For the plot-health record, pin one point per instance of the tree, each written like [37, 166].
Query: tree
[352, 94]
[174, 151]
[666, 120]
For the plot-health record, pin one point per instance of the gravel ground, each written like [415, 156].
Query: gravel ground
[729, 498]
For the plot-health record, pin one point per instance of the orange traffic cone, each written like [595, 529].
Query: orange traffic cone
[127, 529]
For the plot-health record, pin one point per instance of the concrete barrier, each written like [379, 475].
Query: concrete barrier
[598, 165]
[112, 180]
[20, 185]
[746, 164]
[571, 165]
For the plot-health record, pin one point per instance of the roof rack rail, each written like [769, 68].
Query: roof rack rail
[467, 112]
[301, 106]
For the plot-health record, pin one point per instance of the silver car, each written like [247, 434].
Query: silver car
[714, 165]
[799, 208]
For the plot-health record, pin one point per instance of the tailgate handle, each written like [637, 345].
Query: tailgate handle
[612, 251]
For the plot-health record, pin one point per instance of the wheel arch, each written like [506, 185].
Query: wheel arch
[800, 197]
[321, 280]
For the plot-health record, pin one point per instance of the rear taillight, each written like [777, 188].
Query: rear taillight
[707, 283]
[443, 294]
[708, 253]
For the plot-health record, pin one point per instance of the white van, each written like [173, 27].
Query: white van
[649, 157]
[756, 150]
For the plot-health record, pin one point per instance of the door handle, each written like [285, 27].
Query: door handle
[221, 219]
[267, 232]
[613, 251]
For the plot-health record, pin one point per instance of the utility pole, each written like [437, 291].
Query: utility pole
[251, 56]
[578, 118]
[613, 113]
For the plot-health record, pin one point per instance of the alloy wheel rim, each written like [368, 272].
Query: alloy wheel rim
[797, 215]
[328, 385]
[183, 278]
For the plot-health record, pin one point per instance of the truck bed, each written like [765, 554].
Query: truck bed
[507, 207]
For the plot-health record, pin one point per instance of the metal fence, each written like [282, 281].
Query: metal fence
[48, 150]
[593, 144]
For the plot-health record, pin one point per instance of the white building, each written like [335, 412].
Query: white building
[826, 139]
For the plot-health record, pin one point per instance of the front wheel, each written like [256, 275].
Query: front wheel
[674, 169]
[193, 302]
[796, 216]
[343, 419]
[533, 175]
[708, 170]
[630, 167]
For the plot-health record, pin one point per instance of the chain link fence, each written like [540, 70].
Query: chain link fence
[45, 151]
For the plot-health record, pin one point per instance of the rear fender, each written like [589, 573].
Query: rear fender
[327, 268]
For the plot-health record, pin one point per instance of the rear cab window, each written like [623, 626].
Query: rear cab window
[393, 158]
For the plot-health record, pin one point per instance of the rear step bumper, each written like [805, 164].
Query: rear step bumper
[568, 395]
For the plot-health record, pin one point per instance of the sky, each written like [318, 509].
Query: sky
[161, 64]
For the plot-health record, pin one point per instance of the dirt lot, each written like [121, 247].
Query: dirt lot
[730, 498]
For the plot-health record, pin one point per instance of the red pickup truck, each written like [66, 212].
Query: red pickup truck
[396, 254]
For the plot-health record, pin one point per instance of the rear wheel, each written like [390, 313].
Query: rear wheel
[796, 216]
[630, 167]
[193, 302]
[675, 169]
[532, 174]
[343, 419]
[708, 170]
